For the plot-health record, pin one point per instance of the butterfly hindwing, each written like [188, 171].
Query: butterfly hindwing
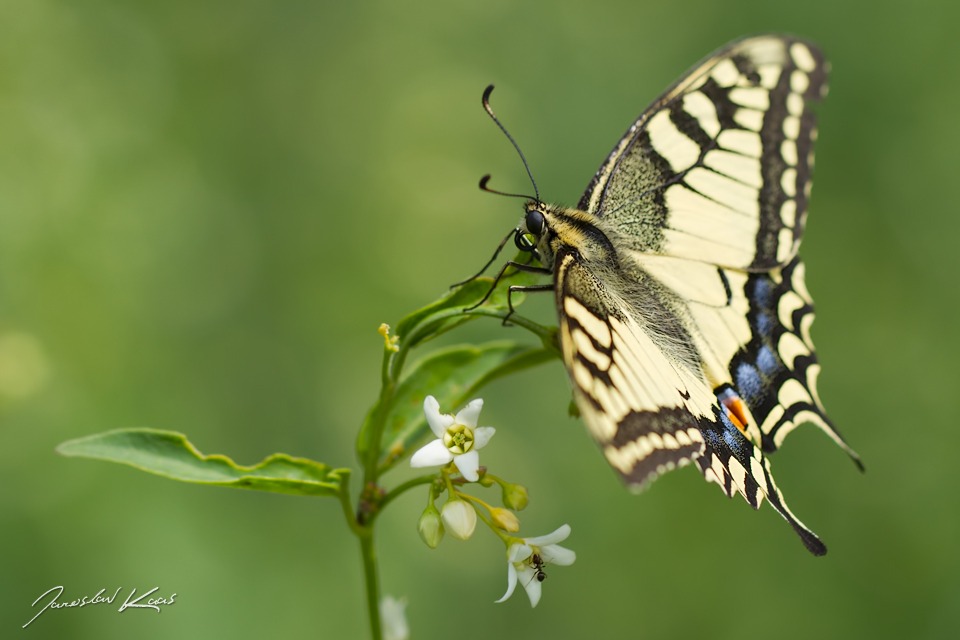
[776, 372]
[731, 460]
[718, 168]
[752, 331]
[648, 408]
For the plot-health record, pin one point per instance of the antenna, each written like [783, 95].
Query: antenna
[483, 187]
[486, 105]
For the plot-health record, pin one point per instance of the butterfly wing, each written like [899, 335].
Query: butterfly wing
[705, 197]
[752, 331]
[776, 371]
[647, 403]
[642, 408]
[717, 169]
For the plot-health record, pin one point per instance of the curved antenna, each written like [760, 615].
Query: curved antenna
[483, 187]
[486, 105]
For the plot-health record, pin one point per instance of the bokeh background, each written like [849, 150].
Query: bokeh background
[207, 208]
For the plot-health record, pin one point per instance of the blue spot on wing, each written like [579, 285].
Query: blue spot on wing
[749, 382]
[736, 441]
[767, 361]
[765, 324]
[762, 292]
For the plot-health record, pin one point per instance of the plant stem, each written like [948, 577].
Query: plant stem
[344, 495]
[372, 583]
[402, 488]
[547, 335]
[503, 536]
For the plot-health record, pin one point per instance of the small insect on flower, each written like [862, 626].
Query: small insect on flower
[459, 439]
[526, 560]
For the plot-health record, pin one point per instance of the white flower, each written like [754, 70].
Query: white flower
[392, 618]
[459, 519]
[458, 439]
[521, 563]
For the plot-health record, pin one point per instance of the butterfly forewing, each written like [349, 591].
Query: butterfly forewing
[640, 406]
[718, 168]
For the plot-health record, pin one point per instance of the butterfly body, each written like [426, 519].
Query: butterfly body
[683, 313]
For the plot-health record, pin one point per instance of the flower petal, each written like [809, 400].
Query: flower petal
[551, 538]
[511, 582]
[431, 455]
[555, 554]
[470, 414]
[438, 422]
[393, 620]
[468, 463]
[518, 552]
[528, 578]
[481, 436]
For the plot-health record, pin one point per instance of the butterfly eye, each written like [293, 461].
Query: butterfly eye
[534, 222]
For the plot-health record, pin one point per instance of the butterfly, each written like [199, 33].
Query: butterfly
[684, 320]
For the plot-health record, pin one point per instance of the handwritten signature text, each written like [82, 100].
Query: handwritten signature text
[129, 603]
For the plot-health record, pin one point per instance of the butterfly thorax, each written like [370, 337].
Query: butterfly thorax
[587, 253]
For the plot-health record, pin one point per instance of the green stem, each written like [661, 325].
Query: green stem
[547, 335]
[451, 492]
[397, 491]
[503, 536]
[373, 583]
[344, 495]
[379, 420]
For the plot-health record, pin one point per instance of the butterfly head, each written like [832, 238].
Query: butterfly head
[546, 230]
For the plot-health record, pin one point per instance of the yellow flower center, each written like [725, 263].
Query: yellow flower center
[458, 439]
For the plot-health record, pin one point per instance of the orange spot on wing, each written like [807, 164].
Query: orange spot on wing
[735, 412]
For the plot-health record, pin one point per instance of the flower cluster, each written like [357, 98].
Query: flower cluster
[456, 448]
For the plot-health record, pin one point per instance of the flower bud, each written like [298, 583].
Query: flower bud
[505, 520]
[459, 518]
[430, 527]
[515, 496]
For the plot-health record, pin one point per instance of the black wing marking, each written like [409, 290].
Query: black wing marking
[646, 408]
[731, 460]
[718, 167]
[776, 373]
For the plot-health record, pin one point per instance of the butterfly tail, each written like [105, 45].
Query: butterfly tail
[732, 461]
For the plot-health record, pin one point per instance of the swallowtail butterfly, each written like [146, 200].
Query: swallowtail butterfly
[684, 320]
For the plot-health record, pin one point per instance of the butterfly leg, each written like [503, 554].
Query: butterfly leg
[525, 288]
[495, 254]
[496, 281]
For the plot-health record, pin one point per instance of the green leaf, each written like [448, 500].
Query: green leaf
[452, 376]
[466, 295]
[170, 454]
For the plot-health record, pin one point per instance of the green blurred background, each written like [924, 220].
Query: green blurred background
[207, 208]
